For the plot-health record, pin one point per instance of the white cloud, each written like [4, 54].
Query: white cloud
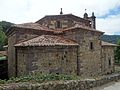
[21, 11]
[109, 25]
[13, 10]
[101, 7]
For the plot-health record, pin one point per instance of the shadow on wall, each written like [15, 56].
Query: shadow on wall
[3, 68]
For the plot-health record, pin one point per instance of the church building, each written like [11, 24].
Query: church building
[61, 44]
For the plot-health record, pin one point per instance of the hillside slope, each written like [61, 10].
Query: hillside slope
[3, 38]
[110, 38]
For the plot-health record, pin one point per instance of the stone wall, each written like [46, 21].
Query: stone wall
[87, 84]
[14, 38]
[26, 34]
[47, 59]
[108, 59]
[11, 55]
[63, 24]
[53, 24]
[17, 35]
[89, 59]
[64, 21]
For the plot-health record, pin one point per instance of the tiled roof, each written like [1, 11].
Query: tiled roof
[83, 27]
[32, 26]
[37, 26]
[47, 40]
[108, 44]
[70, 16]
[29, 26]
[41, 27]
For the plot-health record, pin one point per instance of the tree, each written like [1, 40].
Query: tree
[5, 25]
[3, 40]
[117, 53]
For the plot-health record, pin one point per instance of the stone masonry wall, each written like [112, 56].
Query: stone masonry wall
[16, 36]
[11, 55]
[63, 21]
[89, 59]
[26, 34]
[107, 59]
[52, 59]
[12, 40]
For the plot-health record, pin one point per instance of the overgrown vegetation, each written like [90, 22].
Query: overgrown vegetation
[3, 28]
[110, 38]
[117, 53]
[38, 78]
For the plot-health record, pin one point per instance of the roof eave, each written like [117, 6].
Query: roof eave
[110, 45]
[44, 45]
[85, 29]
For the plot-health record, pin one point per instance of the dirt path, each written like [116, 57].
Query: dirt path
[110, 86]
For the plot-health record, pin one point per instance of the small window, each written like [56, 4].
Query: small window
[109, 62]
[58, 24]
[91, 45]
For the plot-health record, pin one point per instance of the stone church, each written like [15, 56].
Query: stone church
[61, 44]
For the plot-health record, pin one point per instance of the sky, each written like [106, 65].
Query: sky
[107, 12]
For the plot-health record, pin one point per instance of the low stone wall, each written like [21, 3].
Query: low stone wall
[61, 85]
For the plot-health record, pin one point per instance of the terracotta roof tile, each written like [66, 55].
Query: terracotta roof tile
[83, 27]
[108, 44]
[3, 53]
[37, 26]
[41, 27]
[32, 26]
[47, 40]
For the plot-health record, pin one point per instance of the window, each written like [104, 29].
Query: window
[58, 24]
[91, 45]
[109, 62]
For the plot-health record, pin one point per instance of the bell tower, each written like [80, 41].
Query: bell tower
[93, 21]
[85, 15]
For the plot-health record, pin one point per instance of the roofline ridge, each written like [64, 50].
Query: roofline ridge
[46, 16]
[58, 15]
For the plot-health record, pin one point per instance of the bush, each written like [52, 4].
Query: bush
[117, 53]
